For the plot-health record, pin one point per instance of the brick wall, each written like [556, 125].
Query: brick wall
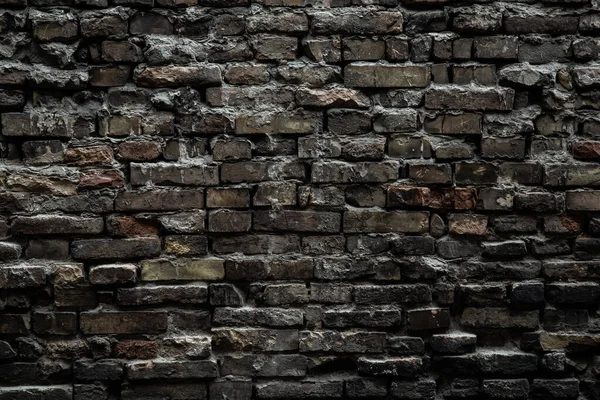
[276, 199]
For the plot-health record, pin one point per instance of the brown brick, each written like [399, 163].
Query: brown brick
[123, 322]
[135, 349]
[95, 155]
[138, 151]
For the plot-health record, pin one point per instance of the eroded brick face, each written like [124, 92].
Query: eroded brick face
[299, 199]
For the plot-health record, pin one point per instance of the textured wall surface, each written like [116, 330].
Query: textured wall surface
[236, 199]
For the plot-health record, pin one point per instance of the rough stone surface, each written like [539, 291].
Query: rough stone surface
[299, 199]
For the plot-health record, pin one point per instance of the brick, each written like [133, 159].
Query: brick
[174, 76]
[358, 22]
[428, 319]
[358, 49]
[363, 317]
[130, 226]
[399, 121]
[54, 26]
[257, 244]
[421, 389]
[389, 294]
[227, 198]
[275, 193]
[172, 370]
[467, 224]
[102, 249]
[506, 388]
[556, 25]
[342, 342]
[313, 389]
[182, 269]
[164, 294]
[229, 221]
[60, 323]
[252, 269]
[174, 174]
[272, 47]
[110, 274]
[481, 99]
[499, 318]
[80, 296]
[43, 152]
[282, 123]
[297, 221]
[121, 51]
[374, 221]
[496, 47]
[392, 76]
[557, 388]
[159, 200]
[246, 74]
[123, 322]
[254, 339]
[348, 122]
[405, 367]
[461, 124]
[457, 343]
[186, 245]
[232, 150]
[135, 349]
[570, 175]
[583, 200]
[332, 98]
[270, 365]
[271, 317]
[109, 76]
[430, 173]
[362, 172]
[32, 393]
[22, 276]
[52, 225]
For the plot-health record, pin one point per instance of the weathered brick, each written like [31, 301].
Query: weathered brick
[22, 276]
[255, 339]
[159, 200]
[110, 274]
[54, 224]
[102, 249]
[496, 47]
[174, 174]
[374, 221]
[358, 22]
[173, 76]
[190, 269]
[460, 98]
[164, 294]
[460, 124]
[499, 318]
[362, 172]
[392, 76]
[60, 323]
[342, 342]
[297, 221]
[280, 123]
[172, 370]
[390, 294]
[122, 322]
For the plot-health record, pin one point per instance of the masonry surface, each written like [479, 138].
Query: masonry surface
[312, 199]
